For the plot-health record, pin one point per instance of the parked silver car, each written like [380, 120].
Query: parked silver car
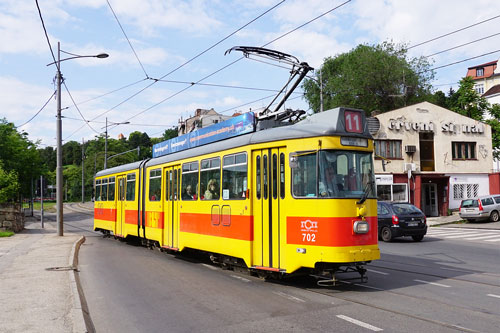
[485, 207]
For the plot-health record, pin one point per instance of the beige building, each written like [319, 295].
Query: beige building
[202, 118]
[431, 156]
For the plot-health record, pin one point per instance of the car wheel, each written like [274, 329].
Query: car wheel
[417, 238]
[386, 234]
[494, 217]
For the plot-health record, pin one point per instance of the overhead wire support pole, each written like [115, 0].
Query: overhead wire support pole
[59, 168]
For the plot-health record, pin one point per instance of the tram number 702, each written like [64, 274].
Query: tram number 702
[309, 238]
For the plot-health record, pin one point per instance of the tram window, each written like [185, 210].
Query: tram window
[190, 181]
[130, 196]
[304, 183]
[174, 185]
[282, 176]
[111, 189]
[275, 176]
[234, 176]
[104, 190]
[257, 162]
[210, 179]
[97, 193]
[155, 185]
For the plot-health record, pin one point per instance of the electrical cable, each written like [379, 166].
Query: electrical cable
[190, 60]
[230, 64]
[465, 44]
[78, 109]
[450, 33]
[458, 62]
[220, 85]
[46, 35]
[36, 114]
[128, 40]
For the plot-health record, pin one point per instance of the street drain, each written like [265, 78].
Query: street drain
[65, 268]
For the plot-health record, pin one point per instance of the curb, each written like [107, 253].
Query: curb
[77, 310]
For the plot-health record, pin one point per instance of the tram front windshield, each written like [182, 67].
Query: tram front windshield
[333, 174]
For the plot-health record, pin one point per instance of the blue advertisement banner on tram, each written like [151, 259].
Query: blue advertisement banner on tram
[235, 126]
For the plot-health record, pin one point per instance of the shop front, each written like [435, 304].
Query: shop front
[431, 157]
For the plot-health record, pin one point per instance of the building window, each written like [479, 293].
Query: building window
[465, 191]
[479, 88]
[392, 192]
[388, 148]
[479, 71]
[463, 150]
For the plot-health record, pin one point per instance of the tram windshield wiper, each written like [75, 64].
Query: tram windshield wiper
[366, 191]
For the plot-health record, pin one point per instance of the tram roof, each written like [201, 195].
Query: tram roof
[330, 122]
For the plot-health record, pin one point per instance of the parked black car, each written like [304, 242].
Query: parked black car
[397, 219]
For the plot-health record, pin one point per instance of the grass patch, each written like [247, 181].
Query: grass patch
[6, 233]
[48, 206]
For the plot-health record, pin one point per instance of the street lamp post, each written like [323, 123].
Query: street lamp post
[59, 171]
[106, 140]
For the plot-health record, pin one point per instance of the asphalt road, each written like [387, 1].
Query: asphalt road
[437, 285]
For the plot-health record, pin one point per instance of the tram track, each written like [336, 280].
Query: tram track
[441, 276]
[342, 293]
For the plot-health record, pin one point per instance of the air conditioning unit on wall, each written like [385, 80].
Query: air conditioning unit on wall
[410, 149]
[410, 166]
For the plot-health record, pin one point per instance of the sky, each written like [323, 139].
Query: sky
[158, 47]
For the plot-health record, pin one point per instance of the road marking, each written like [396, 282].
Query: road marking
[464, 235]
[240, 278]
[433, 283]
[360, 323]
[493, 295]
[290, 297]
[493, 240]
[378, 272]
[482, 237]
[211, 267]
[366, 286]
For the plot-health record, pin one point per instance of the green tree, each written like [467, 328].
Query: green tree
[20, 155]
[371, 77]
[469, 102]
[9, 186]
[494, 111]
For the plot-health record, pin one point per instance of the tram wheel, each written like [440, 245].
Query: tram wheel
[386, 234]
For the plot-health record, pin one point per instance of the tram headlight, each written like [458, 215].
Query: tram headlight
[361, 227]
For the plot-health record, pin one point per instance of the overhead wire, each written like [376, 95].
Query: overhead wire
[220, 85]
[128, 40]
[77, 108]
[191, 59]
[461, 45]
[230, 64]
[46, 35]
[36, 114]
[453, 32]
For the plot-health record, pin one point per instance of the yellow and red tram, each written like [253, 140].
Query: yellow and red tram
[276, 201]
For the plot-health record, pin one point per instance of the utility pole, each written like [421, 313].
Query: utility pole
[59, 168]
[83, 172]
[106, 145]
[41, 200]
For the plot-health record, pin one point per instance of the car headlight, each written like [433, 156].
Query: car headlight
[361, 227]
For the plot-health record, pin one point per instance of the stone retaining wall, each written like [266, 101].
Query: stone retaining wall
[11, 217]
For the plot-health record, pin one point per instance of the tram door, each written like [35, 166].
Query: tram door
[268, 184]
[120, 205]
[171, 207]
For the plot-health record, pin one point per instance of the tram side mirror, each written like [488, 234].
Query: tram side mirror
[293, 161]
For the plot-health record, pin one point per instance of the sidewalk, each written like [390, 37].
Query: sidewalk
[38, 291]
[452, 221]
